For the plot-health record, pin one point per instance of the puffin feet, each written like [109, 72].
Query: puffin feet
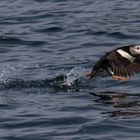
[120, 78]
[113, 76]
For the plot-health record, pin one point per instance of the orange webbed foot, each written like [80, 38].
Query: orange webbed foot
[120, 78]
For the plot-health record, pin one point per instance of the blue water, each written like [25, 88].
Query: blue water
[46, 48]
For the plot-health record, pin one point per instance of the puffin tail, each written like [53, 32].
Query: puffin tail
[91, 74]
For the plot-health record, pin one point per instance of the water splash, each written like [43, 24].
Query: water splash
[73, 75]
[6, 71]
[72, 79]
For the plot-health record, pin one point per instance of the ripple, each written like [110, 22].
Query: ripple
[17, 41]
[51, 30]
[118, 35]
[46, 49]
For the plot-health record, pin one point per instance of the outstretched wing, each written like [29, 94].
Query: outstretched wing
[121, 66]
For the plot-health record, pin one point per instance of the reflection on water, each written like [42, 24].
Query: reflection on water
[124, 104]
[124, 114]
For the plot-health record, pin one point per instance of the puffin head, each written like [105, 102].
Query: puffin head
[135, 50]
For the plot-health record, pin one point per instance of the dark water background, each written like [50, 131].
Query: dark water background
[46, 47]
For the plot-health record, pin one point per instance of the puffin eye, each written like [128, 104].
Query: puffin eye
[138, 48]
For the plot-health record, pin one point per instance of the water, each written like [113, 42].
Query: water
[46, 48]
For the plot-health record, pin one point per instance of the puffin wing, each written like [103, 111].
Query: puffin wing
[137, 60]
[121, 66]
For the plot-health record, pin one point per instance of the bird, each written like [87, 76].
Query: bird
[120, 63]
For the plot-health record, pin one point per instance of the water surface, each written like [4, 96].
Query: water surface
[46, 47]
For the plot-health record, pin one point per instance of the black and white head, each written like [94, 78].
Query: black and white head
[135, 50]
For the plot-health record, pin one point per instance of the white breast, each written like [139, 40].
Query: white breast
[126, 55]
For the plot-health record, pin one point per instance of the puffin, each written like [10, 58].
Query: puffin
[120, 63]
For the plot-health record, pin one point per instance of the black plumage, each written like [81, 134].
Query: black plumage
[116, 64]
